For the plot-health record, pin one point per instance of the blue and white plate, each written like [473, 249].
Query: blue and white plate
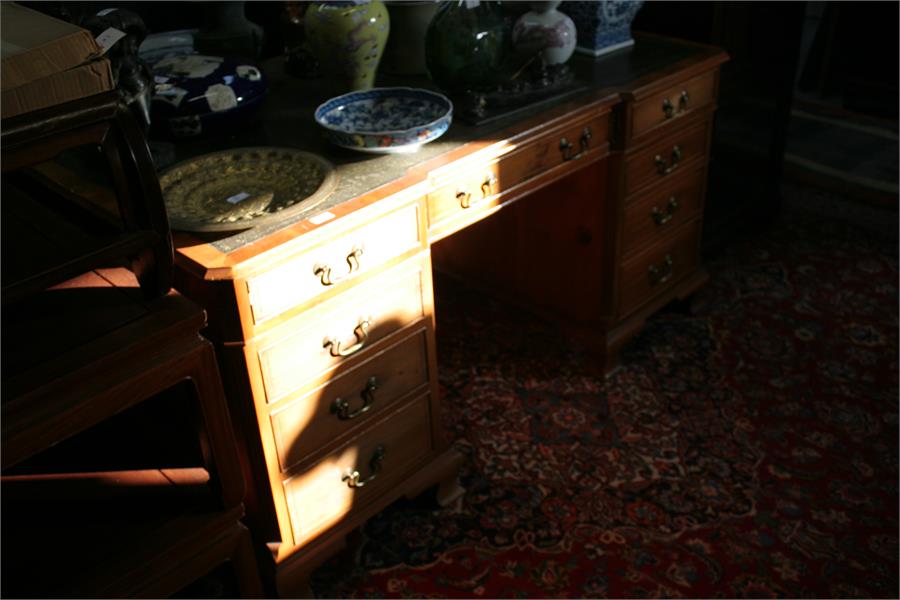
[385, 120]
[195, 94]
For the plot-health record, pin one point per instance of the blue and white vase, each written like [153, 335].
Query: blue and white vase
[603, 25]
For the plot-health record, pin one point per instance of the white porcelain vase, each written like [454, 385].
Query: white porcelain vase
[546, 30]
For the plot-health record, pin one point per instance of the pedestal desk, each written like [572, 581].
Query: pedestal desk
[588, 209]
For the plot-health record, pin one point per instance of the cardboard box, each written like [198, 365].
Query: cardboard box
[34, 45]
[88, 79]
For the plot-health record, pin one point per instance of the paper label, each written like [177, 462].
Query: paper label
[220, 97]
[108, 38]
[248, 72]
[195, 66]
[237, 198]
[166, 92]
[321, 218]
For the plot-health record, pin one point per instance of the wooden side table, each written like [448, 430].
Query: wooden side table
[93, 352]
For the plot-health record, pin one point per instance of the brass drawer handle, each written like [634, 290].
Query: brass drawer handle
[361, 332]
[351, 476]
[565, 146]
[465, 197]
[669, 108]
[487, 189]
[660, 217]
[323, 272]
[585, 141]
[662, 273]
[487, 186]
[342, 407]
[662, 167]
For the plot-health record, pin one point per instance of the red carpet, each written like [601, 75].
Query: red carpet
[748, 447]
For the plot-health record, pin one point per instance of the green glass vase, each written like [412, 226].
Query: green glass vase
[466, 45]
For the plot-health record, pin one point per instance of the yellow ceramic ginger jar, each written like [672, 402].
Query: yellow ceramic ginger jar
[348, 40]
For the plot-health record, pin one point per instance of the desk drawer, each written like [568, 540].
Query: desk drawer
[663, 160]
[306, 424]
[653, 272]
[319, 269]
[344, 327]
[673, 104]
[467, 192]
[659, 212]
[321, 496]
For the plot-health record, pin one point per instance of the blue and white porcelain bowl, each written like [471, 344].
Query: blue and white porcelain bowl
[385, 120]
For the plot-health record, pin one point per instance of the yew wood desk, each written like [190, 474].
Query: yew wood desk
[588, 210]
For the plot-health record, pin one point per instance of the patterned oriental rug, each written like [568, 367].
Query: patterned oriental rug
[748, 447]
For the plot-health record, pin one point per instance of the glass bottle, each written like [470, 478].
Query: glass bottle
[466, 45]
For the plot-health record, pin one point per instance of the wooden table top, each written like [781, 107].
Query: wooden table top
[286, 120]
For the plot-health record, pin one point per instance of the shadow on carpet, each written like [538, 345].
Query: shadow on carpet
[747, 448]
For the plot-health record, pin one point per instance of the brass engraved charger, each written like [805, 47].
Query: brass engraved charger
[243, 188]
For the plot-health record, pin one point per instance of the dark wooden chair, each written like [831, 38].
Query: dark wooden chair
[84, 513]
[120, 473]
[128, 205]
